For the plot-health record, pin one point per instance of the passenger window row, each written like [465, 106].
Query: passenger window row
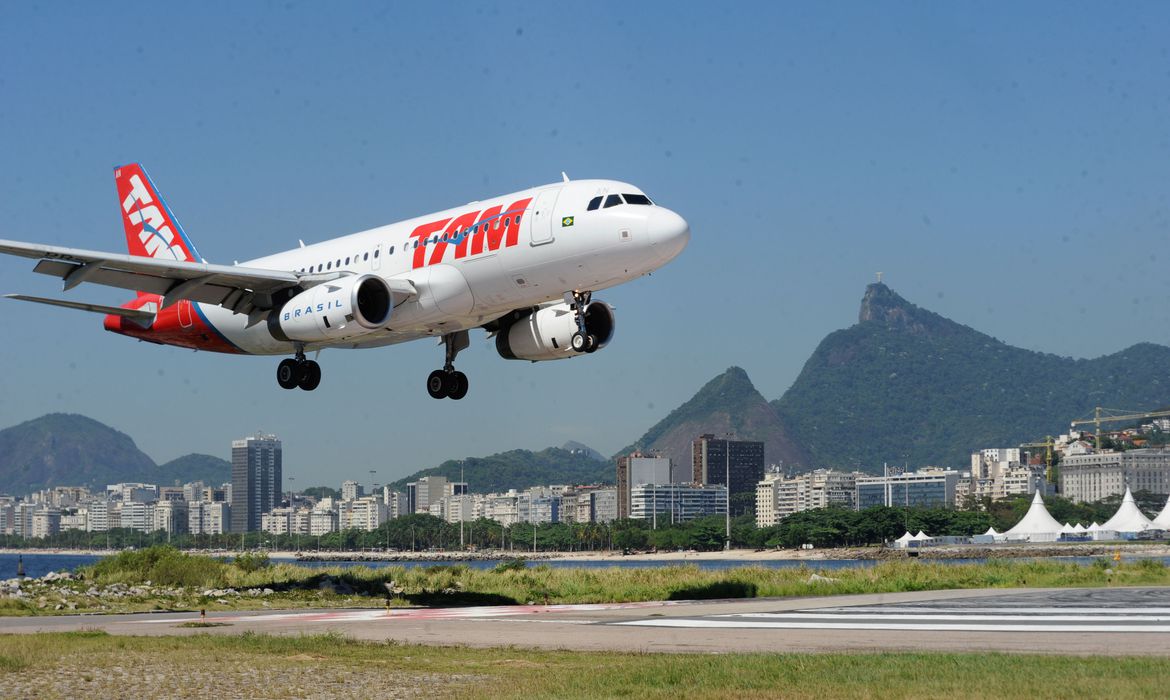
[456, 237]
[339, 263]
[615, 199]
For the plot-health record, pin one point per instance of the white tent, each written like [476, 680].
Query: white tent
[1094, 527]
[1163, 519]
[1036, 525]
[1078, 528]
[1066, 528]
[922, 536]
[1128, 518]
[986, 538]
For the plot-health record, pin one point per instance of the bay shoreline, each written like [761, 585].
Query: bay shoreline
[1014, 550]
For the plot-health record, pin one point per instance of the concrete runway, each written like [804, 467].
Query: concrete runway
[1057, 621]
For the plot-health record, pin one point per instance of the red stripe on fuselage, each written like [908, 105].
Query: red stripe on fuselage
[179, 325]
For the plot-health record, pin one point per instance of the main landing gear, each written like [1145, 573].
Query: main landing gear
[298, 372]
[582, 340]
[448, 383]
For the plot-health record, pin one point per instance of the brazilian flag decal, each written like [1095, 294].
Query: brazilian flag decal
[566, 221]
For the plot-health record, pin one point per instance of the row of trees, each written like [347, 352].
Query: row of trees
[829, 527]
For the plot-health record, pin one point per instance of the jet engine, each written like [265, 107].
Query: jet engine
[547, 332]
[333, 310]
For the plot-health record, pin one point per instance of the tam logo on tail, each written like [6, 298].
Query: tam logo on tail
[151, 229]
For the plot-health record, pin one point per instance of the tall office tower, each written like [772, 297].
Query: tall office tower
[713, 460]
[256, 480]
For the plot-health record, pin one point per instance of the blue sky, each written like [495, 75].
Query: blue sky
[1008, 168]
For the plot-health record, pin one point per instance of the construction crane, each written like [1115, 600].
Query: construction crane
[1115, 414]
[1050, 474]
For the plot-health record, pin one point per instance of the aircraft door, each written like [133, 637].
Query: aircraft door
[540, 221]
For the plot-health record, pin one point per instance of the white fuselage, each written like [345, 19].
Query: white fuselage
[474, 263]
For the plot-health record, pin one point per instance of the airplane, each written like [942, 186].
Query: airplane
[522, 266]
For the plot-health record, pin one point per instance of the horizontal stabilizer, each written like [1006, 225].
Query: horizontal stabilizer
[137, 315]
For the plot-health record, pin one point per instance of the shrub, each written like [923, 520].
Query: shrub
[510, 565]
[248, 562]
[161, 565]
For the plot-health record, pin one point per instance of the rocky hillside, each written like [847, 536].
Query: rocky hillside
[906, 385]
[728, 403]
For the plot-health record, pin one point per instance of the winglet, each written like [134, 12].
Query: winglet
[565, 175]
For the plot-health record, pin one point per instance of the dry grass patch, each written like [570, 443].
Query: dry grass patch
[249, 665]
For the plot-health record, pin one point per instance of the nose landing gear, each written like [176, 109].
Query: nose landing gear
[298, 372]
[449, 383]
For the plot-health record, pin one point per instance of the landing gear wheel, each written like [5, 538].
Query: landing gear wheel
[309, 375]
[437, 385]
[579, 342]
[458, 385]
[590, 343]
[287, 375]
[447, 382]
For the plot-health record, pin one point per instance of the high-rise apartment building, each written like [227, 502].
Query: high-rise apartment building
[209, 518]
[676, 503]
[256, 480]
[636, 469]
[351, 490]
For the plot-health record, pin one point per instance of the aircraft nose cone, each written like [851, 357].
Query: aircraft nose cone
[668, 232]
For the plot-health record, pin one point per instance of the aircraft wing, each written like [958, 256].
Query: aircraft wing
[241, 289]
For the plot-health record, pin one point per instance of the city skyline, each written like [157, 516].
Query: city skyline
[973, 156]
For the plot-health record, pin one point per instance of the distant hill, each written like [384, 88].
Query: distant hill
[728, 403]
[906, 385]
[520, 469]
[196, 467]
[574, 446]
[64, 449]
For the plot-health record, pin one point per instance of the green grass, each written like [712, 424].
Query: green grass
[187, 576]
[506, 673]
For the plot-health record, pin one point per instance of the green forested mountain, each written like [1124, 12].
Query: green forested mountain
[905, 385]
[727, 404]
[519, 469]
[64, 449]
[212, 471]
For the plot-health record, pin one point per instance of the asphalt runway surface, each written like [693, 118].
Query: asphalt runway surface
[1057, 621]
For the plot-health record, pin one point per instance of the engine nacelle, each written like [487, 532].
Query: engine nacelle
[333, 310]
[547, 332]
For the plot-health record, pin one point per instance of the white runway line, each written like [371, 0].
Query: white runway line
[911, 610]
[950, 617]
[904, 626]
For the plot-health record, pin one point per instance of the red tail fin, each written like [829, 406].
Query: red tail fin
[152, 231]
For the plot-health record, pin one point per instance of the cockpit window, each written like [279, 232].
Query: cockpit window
[637, 199]
[613, 200]
[594, 203]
